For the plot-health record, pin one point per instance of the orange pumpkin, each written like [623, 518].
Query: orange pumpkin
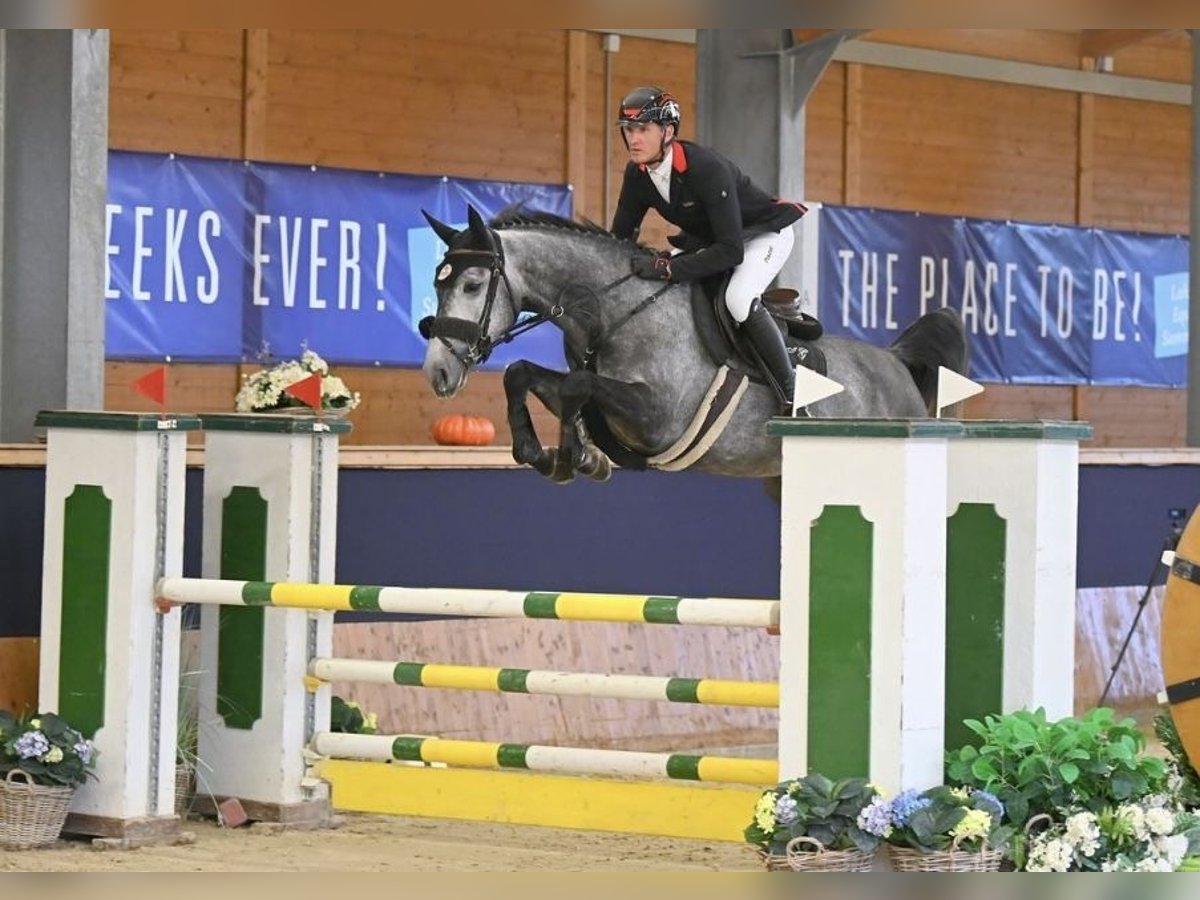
[472, 431]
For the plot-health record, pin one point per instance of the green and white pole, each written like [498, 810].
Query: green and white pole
[270, 508]
[862, 598]
[1012, 503]
[109, 658]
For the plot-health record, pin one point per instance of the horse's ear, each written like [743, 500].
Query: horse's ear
[446, 232]
[479, 229]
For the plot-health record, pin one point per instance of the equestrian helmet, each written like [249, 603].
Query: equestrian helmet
[645, 105]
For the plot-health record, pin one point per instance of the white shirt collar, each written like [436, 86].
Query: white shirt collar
[661, 174]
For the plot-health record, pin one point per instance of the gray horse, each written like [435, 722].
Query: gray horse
[635, 356]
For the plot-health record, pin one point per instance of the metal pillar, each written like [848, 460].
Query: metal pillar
[751, 87]
[53, 187]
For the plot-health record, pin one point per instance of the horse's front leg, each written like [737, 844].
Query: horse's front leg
[619, 398]
[520, 378]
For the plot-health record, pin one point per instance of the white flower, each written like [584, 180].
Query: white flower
[1049, 855]
[1149, 864]
[313, 362]
[1172, 849]
[54, 755]
[1159, 821]
[264, 390]
[1083, 833]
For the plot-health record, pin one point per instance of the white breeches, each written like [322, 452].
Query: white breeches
[765, 256]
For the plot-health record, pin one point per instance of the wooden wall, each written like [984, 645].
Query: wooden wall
[910, 140]
[529, 106]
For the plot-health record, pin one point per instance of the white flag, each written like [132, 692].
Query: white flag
[953, 387]
[811, 387]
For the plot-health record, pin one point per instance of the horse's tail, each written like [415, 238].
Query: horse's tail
[936, 339]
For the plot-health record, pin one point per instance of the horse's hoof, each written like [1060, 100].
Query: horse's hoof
[527, 452]
[563, 471]
[596, 467]
[543, 463]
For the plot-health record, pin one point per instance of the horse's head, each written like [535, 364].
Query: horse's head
[474, 303]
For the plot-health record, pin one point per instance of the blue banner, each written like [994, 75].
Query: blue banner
[1042, 304]
[215, 260]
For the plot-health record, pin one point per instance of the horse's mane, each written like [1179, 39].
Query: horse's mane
[516, 216]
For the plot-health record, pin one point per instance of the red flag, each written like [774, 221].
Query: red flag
[153, 385]
[307, 390]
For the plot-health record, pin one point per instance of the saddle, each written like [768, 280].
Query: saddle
[737, 365]
[726, 344]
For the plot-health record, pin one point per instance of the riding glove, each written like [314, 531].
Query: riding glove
[653, 268]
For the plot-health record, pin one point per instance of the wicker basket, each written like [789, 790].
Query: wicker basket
[31, 815]
[183, 791]
[906, 859]
[818, 859]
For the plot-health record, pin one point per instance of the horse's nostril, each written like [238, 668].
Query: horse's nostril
[441, 381]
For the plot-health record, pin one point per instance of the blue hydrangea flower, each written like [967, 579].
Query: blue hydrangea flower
[905, 804]
[990, 802]
[83, 749]
[785, 810]
[876, 818]
[31, 745]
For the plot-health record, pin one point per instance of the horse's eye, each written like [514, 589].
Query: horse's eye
[472, 287]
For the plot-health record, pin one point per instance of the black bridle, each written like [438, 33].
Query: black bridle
[473, 334]
[479, 344]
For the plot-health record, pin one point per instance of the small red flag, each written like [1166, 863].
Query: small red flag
[153, 385]
[307, 390]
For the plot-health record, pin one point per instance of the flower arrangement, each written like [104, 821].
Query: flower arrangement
[46, 748]
[1038, 767]
[940, 818]
[814, 807]
[264, 391]
[348, 717]
[1149, 836]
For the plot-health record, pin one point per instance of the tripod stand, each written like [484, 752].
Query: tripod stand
[1169, 543]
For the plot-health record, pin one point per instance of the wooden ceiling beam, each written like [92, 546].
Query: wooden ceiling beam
[1096, 42]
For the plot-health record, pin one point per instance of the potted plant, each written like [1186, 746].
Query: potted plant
[945, 829]
[42, 761]
[265, 390]
[816, 824]
[1147, 836]
[1036, 767]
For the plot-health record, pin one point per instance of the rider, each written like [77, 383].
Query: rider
[727, 221]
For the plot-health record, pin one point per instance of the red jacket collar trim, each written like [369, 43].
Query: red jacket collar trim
[678, 158]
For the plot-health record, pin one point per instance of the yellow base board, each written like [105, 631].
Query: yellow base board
[526, 798]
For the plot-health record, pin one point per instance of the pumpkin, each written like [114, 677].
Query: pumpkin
[472, 431]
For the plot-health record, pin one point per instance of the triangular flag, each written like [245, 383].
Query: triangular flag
[953, 387]
[153, 385]
[811, 387]
[307, 390]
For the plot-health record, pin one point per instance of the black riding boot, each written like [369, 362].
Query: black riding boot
[767, 339]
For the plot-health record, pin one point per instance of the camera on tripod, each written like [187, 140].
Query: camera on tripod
[1178, 518]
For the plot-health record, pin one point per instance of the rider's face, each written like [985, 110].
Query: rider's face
[645, 142]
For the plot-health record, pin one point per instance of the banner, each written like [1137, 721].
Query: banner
[1041, 304]
[218, 260]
